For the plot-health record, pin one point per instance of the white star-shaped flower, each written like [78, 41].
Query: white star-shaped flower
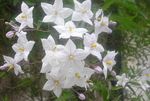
[53, 54]
[11, 64]
[73, 56]
[122, 80]
[82, 11]
[55, 83]
[69, 29]
[26, 17]
[22, 48]
[56, 13]
[92, 46]
[101, 23]
[109, 62]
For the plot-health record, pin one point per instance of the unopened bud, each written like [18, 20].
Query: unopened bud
[112, 24]
[113, 73]
[81, 96]
[10, 34]
[98, 70]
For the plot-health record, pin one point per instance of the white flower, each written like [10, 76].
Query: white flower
[25, 18]
[91, 45]
[73, 56]
[11, 64]
[53, 54]
[122, 80]
[109, 62]
[101, 23]
[79, 76]
[56, 13]
[69, 29]
[23, 47]
[55, 83]
[82, 11]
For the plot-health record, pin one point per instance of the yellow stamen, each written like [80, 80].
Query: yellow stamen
[77, 75]
[109, 62]
[10, 67]
[148, 75]
[103, 23]
[71, 57]
[93, 45]
[56, 82]
[24, 17]
[70, 29]
[21, 49]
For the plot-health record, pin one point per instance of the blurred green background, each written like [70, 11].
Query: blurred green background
[131, 38]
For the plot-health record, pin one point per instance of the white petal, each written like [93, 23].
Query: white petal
[87, 20]
[100, 48]
[58, 4]
[66, 12]
[59, 21]
[60, 29]
[8, 59]
[70, 46]
[45, 68]
[81, 54]
[76, 16]
[77, 5]
[105, 71]
[49, 18]
[24, 7]
[57, 91]
[49, 85]
[17, 69]
[64, 35]
[25, 55]
[97, 54]
[87, 4]
[30, 23]
[19, 57]
[47, 8]
[98, 13]
[29, 45]
[46, 44]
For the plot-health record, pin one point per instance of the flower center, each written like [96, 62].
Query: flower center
[148, 75]
[21, 49]
[93, 45]
[71, 57]
[70, 29]
[10, 67]
[24, 17]
[109, 62]
[103, 23]
[77, 75]
[56, 82]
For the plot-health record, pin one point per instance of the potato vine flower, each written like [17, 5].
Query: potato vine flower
[22, 48]
[25, 18]
[56, 13]
[122, 80]
[92, 46]
[11, 64]
[101, 23]
[109, 62]
[69, 29]
[83, 12]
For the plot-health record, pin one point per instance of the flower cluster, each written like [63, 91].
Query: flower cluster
[65, 66]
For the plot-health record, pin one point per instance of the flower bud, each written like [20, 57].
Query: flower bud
[81, 96]
[98, 70]
[113, 73]
[10, 34]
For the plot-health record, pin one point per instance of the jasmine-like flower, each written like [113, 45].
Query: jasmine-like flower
[92, 46]
[56, 13]
[109, 62]
[69, 29]
[23, 47]
[82, 11]
[101, 23]
[122, 80]
[11, 64]
[25, 18]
